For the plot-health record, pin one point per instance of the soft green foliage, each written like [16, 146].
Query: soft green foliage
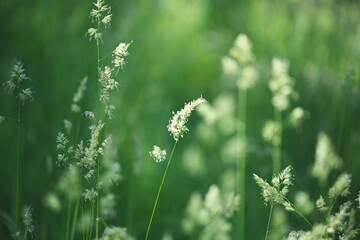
[208, 217]
[326, 159]
[143, 60]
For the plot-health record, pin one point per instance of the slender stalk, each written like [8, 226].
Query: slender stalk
[298, 212]
[159, 191]
[242, 98]
[278, 144]
[269, 220]
[68, 219]
[76, 211]
[17, 197]
[98, 162]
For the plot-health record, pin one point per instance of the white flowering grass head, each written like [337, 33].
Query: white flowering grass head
[270, 132]
[177, 124]
[158, 154]
[281, 84]
[115, 233]
[321, 204]
[101, 15]
[341, 187]
[119, 54]
[279, 188]
[326, 159]
[242, 49]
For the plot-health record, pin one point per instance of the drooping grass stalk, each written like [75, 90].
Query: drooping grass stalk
[298, 212]
[159, 191]
[278, 142]
[241, 163]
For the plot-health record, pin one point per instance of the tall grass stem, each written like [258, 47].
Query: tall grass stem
[278, 144]
[242, 98]
[159, 191]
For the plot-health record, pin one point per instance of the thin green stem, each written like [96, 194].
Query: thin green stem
[242, 98]
[98, 162]
[76, 211]
[269, 220]
[159, 191]
[278, 143]
[17, 197]
[330, 208]
[68, 217]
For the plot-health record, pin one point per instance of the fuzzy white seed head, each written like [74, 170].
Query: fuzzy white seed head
[242, 49]
[157, 154]
[119, 54]
[177, 124]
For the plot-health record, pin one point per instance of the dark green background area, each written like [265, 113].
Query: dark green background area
[175, 56]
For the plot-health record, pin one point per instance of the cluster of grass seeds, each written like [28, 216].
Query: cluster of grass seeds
[90, 163]
[337, 220]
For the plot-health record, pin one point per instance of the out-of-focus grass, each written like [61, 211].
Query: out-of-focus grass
[175, 56]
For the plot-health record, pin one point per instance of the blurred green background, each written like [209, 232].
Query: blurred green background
[175, 57]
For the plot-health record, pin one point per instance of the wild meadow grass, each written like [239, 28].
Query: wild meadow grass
[93, 160]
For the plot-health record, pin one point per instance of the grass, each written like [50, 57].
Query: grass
[103, 183]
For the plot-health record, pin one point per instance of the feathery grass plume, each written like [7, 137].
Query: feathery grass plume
[296, 117]
[16, 83]
[52, 201]
[28, 221]
[119, 54]
[337, 221]
[341, 186]
[326, 159]
[209, 218]
[177, 124]
[2, 119]
[321, 205]
[75, 107]
[115, 233]
[101, 15]
[270, 132]
[242, 49]
[276, 193]
[67, 125]
[281, 84]
[70, 183]
[157, 154]
[63, 150]
[110, 175]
